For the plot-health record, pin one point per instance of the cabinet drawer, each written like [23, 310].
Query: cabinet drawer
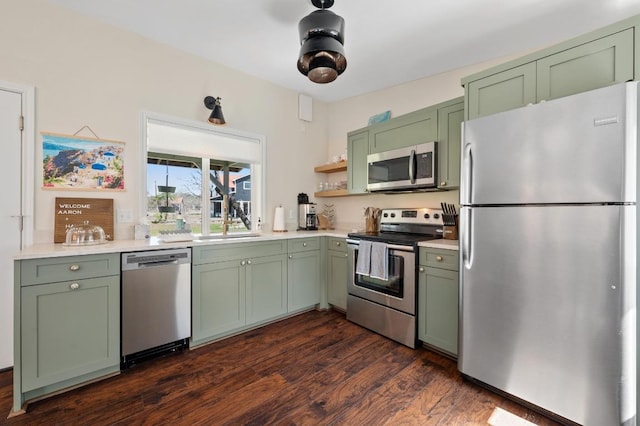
[303, 244]
[337, 244]
[234, 251]
[438, 258]
[40, 271]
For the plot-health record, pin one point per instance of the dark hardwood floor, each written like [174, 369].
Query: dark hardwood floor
[315, 368]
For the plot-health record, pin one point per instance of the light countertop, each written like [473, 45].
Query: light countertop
[441, 244]
[119, 246]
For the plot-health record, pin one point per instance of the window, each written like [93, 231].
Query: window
[191, 167]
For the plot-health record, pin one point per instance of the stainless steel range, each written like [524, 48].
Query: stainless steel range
[383, 284]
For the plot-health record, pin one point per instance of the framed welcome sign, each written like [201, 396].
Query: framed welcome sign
[80, 163]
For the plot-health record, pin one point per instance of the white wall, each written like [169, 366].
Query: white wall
[88, 73]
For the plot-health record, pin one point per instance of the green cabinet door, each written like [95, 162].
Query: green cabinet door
[337, 275]
[266, 281]
[69, 329]
[438, 308]
[218, 299]
[449, 138]
[503, 91]
[357, 151]
[303, 280]
[409, 129]
[589, 66]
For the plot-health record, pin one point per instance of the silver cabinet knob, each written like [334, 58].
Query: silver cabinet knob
[421, 269]
[74, 286]
[290, 256]
[346, 255]
[338, 243]
[74, 268]
[248, 262]
[304, 244]
[439, 258]
[443, 183]
[242, 263]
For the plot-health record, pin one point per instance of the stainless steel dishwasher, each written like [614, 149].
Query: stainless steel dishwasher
[156, 303]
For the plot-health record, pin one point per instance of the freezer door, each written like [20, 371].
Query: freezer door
[577, 149]
[547, 307]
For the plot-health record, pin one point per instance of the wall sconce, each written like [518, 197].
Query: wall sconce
[213, 104]
[321, 32]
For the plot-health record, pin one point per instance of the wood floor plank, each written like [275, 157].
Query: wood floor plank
[314, 368]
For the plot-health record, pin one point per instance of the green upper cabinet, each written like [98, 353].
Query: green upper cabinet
[600, 63]
[500, 92]
[441, 123]
[603, 57]
[357, 151]
[409, 129]
[450, 117]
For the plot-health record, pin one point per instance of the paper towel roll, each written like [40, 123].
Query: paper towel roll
[278, 220]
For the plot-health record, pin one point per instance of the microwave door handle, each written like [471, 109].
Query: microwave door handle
[412, 166]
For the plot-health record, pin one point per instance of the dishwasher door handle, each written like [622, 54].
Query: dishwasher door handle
[158, 263]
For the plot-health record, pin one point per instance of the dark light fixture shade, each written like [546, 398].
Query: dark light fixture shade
[213, 104]
[322, 53]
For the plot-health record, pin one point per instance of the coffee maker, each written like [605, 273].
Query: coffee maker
[307, 213]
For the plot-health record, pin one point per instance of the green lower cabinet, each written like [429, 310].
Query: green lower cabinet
[337, 276]
[438, 305]
[69, 329]
[218, 299]
[228, 296]
[266, 281]
[303, 279]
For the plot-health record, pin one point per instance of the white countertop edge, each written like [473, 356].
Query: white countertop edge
[440, 244]
[121, 246]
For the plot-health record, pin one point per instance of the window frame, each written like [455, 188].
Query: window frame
[258, 168]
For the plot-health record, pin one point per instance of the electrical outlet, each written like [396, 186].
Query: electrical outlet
[124, 215]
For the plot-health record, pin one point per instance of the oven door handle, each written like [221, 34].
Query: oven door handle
[389, 246]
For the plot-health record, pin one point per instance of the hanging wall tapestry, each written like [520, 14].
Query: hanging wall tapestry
[80, 163]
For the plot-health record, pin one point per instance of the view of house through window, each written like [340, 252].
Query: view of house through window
[175, 185]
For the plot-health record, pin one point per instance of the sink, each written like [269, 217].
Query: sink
[226, 237]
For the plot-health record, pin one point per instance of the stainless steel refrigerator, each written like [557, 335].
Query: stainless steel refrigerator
[548, 254]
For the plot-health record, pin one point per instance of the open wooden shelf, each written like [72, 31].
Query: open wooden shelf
[331, 193]
[340, 166]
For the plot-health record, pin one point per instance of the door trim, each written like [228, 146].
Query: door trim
[28, 157]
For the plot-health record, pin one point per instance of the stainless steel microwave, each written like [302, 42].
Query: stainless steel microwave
[409, 168]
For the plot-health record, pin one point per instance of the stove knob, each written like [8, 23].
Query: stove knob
[386, 215]
[426, 215]
[436, 215]
[393, 215]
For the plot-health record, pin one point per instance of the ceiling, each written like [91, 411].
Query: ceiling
[386, 43]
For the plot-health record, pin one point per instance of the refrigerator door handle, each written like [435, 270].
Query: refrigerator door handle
[412, 166]
[466, 230]
[466, 170]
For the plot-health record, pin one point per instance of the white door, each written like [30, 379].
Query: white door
[10, 213]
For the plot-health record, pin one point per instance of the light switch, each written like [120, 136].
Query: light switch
[124, 215]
